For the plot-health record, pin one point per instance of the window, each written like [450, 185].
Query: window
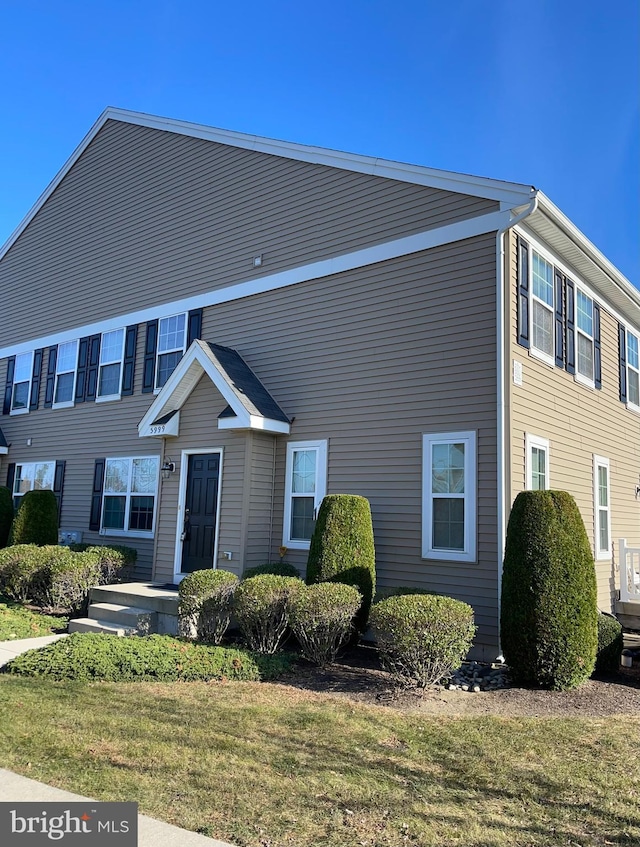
[602, 509]
[110, 370]
[542, 307]
[633, 370]
[584, 337]
[171, 345]
[129, 496]
[66, 362]
[537, 463]
[21, 383]
[38, 476]
[449, 497]
[306, 484]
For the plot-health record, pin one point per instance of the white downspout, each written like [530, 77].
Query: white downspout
[500, 364]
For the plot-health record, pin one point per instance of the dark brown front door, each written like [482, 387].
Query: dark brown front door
[201, 508]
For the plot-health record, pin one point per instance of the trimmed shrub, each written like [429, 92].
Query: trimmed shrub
[37, 519]
[276, 568]
[204, 606]
[90, 656]
[69, 578]
[116, 562]
[548, 623]
[610, 644]
[261, 609]
[19, 568]
[321, 617]
[342, 548]
[6, 515]
[422, 638]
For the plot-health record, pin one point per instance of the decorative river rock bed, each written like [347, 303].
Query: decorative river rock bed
[475, 677]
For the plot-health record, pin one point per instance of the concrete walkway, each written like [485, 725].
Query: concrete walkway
[10, 649]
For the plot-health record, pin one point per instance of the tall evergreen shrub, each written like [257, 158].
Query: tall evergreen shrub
[549, 610]
[37, 519]
[6, 515]
[342, 548]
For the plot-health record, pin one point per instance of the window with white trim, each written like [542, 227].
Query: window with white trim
[584, 336]
[305, 486]
[33, 476]
[602, 507]
[537, 463]
[542, 318]
[449, 496]
[66, 365]
[633, 370]
[110, 369]
[172, 335]
[21, 389]
[129, 496]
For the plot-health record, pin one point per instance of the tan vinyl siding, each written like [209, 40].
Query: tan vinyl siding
[146, 216]
[578, 422]
[260, 540]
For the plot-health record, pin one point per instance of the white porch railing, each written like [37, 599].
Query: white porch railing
[629, 572]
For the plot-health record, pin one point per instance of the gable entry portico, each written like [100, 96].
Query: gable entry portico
[193, 507]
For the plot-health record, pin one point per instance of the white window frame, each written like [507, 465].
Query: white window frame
[589, 381]
[550, 359]
[130, 533]
[24, 357]
[539, 444]
[65, 404]
[630, 367]
[102, 398]
[178, 349]
[468, 553]
[19, 472]
[601, 553]
[320, 487]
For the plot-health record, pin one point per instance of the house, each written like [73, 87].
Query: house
[204, 332]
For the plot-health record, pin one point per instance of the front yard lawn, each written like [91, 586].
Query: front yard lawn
[266, 765]
[16, 621]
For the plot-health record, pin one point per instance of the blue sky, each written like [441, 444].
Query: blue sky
[544, 92]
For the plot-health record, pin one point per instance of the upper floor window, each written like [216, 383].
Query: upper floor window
[449, 496]
[110, 369]
[129, 495]
[305, 486]
[66, 363]
[633, 370]
[584, 336]
[38, 476]
[171, 345]
[542, 307]
[21, 389]
[537, 463]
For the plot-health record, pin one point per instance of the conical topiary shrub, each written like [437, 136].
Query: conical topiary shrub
[6, 515]
[342, 548]
[37, 519]
[549, 609]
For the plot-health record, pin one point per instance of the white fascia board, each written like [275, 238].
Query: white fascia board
[4, 451]
[426, 240]
[507, 193]
[171, 428]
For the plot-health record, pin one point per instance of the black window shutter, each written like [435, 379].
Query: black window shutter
[622, 358]
[597, 348]
[51, 377]
[129, 365]
[570, 335]
[195, 325]
[93, 360]
[559, 298]
[523, 292]
[8, 388]
[81, 375]
[34, 399]
[96, 495]
[58, 483]
[150, 344]
[11, 476]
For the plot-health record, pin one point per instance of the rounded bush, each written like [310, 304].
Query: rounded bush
[36, 521]
[261, 609]
[321, 617]
[610, 644]
[20, 565]
[89, 656]
[276, 568]
[204, 605]
[342, 548]
[549, 614]
[116, 561]
[6, 515]
[422, 638]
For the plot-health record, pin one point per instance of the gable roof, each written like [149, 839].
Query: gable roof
[250, 404]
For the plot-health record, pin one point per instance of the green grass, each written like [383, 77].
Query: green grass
[18, 622]
[261, 764]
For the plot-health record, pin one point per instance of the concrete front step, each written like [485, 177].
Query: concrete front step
[144, 595]
[137, 608]
[142, 620]
[93, 625]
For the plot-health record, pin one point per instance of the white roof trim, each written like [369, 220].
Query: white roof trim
[507, 193]
[4, 451]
